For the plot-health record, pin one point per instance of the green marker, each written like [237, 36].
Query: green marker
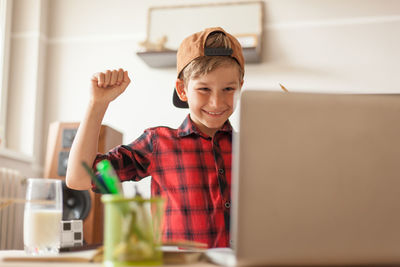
[110, 178]
[94, 178]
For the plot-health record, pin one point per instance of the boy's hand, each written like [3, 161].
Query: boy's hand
[108, 85]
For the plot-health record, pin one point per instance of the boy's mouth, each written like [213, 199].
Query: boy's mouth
[214, 113]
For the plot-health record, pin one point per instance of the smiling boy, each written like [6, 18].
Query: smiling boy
[190, 166]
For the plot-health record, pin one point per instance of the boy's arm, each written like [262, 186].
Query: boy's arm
[105, 87]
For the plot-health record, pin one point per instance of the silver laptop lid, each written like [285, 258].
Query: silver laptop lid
[316, 179]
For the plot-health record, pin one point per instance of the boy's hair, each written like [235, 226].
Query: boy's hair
[204, 51]
[205, 64]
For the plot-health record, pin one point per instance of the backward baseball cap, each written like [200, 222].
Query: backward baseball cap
[193, 47]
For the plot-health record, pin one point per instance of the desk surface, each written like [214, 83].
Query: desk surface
[20, 253]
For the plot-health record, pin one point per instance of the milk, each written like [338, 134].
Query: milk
[42, 228]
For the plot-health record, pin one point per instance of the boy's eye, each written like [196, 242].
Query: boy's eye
[205, 89]
[229, 89]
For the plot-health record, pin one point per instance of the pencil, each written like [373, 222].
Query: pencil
[283, 88]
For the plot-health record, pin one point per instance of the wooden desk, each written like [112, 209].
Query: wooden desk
[18, 253]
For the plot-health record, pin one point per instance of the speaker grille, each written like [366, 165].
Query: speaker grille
[76, 204]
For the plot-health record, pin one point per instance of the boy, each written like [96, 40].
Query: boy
[190, 166]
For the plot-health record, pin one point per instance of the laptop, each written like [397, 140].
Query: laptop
[316, 180]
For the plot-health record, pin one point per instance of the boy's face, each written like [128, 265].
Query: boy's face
[212, 97]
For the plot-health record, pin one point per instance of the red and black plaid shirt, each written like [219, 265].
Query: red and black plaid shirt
[191, 170]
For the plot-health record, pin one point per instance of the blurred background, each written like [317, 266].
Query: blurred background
[51, 48]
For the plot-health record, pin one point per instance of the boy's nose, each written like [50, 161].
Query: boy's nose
[215, 100]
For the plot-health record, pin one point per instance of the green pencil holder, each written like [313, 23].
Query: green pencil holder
[132, 230]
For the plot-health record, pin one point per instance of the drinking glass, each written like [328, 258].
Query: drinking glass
[42, 216]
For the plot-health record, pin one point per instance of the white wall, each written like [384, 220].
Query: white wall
[107, 36]
[329, 45]
[333, 45]
[309, 45]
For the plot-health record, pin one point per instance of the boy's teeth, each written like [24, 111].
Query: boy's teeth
[214, 113]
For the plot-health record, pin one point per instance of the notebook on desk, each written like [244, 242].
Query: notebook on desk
[316, 180]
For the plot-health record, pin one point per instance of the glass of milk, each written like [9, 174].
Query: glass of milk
[42, 216]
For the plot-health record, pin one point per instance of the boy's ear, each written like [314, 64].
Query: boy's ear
[180, 89]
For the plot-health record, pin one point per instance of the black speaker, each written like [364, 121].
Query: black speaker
[76, 204]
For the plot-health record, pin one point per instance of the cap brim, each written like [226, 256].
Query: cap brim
[178, 102]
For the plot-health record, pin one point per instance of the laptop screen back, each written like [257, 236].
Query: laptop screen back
[316, 179]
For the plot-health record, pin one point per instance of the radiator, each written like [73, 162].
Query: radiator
[12, 185]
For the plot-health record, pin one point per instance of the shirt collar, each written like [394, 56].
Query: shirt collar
[188, 127]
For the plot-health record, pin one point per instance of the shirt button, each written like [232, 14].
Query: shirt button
[221, 171]
[227, 205]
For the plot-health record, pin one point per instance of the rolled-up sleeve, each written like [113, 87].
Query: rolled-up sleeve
[131, 162]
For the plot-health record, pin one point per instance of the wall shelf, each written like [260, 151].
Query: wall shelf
[167, 59]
